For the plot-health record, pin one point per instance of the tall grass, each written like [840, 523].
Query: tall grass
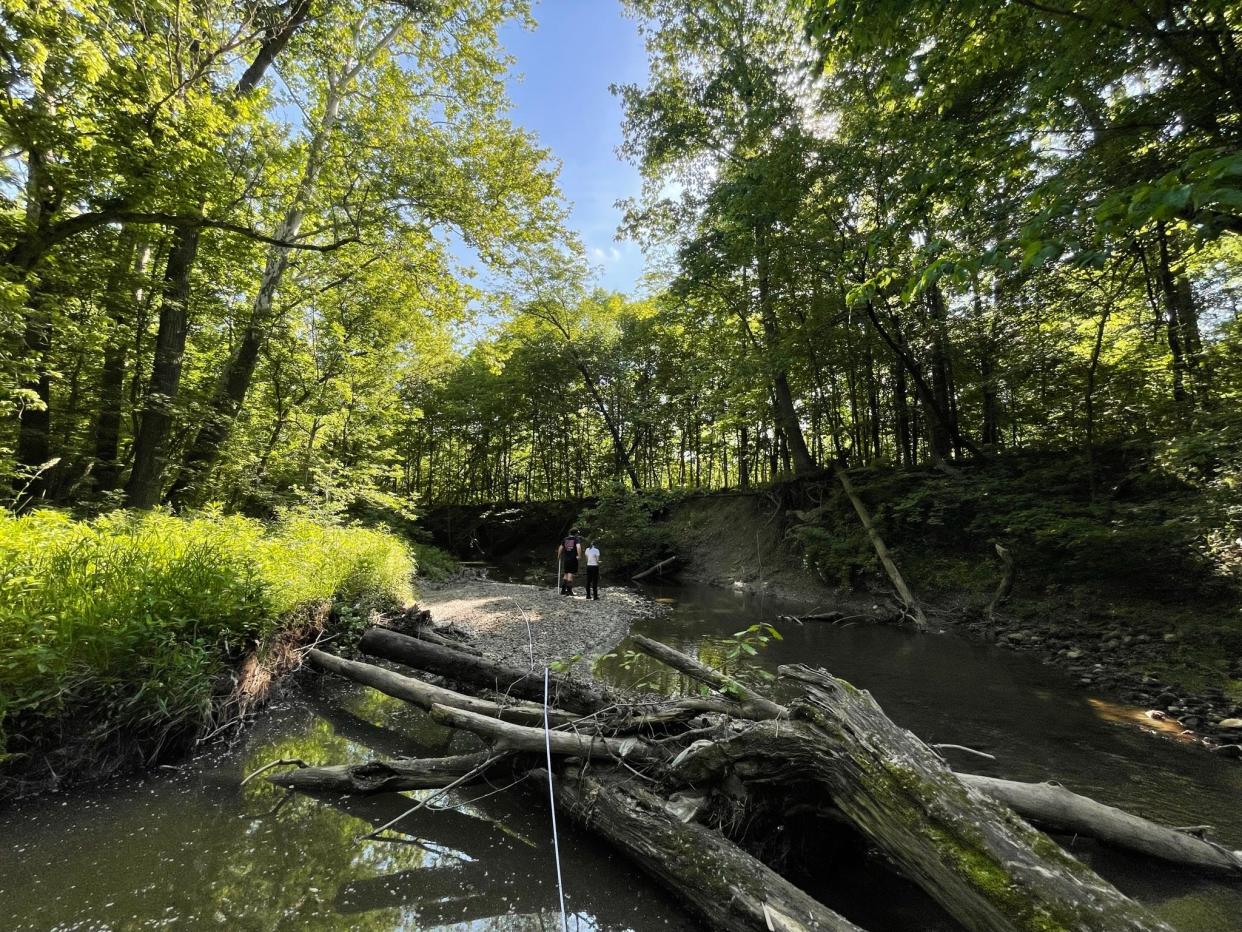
[121, 626]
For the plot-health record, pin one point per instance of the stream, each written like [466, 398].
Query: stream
[188, 848]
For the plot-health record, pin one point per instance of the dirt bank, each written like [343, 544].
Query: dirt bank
[513, 621]
[1117, 642]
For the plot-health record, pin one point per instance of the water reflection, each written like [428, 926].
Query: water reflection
[190, 849]
[1038, 724]
[193, 850]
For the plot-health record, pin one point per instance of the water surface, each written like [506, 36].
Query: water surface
[190, 849]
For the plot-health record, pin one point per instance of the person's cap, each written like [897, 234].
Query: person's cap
[574, 531]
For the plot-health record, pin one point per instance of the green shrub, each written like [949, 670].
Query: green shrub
[121, 625]
[624, 525]
[434, 563]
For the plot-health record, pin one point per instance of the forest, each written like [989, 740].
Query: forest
[289, 293]
[242, 249]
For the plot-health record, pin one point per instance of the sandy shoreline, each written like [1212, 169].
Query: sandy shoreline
[560, 627]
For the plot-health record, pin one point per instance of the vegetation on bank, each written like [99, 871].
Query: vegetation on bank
[118, 635]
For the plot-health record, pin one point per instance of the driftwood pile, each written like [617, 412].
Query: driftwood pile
[669, 782]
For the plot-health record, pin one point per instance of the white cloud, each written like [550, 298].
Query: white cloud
[610, 255]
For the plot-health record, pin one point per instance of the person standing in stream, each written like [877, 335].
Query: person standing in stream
[592, 582]
[567, 555]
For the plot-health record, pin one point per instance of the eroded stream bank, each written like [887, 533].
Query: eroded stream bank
[190, 849]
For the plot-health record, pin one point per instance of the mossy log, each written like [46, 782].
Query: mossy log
[988, 868]
[382, 776]
[472, 670]
[1060, 810]
[830, 751]
[509, 737]
[730, 889]
[425, 695]
[750, 703]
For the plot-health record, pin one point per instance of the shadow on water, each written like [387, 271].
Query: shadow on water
[191, 849]
[1031, 717]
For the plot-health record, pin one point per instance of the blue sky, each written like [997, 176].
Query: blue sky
[559, 85]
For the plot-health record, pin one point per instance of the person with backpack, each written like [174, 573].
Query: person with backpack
[592, 558]
[567, 556]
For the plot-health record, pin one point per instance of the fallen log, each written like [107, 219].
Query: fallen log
[988, 868]
[831, 754]
[382, 776]
[508, 737]
[1060, 810]
[472, 670]
[731, 889]
[750, 703]
[424, 632]
[814, 616]
[658, 568]
[425, 695]
[908, 601]
[1005, 586]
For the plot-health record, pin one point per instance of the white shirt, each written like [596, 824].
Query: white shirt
[592, 555]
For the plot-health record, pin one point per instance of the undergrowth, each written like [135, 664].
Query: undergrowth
[117, 630]
[625, 526]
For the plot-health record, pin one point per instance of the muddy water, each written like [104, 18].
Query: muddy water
[190, 849]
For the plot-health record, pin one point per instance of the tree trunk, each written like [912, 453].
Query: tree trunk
[205, 449]
[750, 704]
[482, 671]
[786, 413]
[124, 294]
[941, 417]
[989, 869]
[881, 549]
[146, 479]
[901, 415]
[657, 568]
[1173, 326]
[151, 443]
[1060, 810]
[835, 756]
[379, 776]
[425, 695]
[723, 884]
[937, 419]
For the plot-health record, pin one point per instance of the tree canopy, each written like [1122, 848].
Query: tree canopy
[894, 232]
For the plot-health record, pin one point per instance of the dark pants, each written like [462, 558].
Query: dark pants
[593, 581]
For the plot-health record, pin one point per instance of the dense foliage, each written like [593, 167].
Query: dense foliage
[889, 233]
[119, 627]
[898, 232]
[228, 237]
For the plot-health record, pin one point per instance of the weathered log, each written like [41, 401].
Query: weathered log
[658, 568]
[508, 737]
[985, 865]
[424, 695]
[814, 616]
[425, 632]
[382, 776]
[574, 695]
[988, 868]
[729, 888]
[1005, 586]
[750, 703]
[881, 551]
[1060, 810]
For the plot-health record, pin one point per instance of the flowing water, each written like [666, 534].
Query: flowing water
[188, 848]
